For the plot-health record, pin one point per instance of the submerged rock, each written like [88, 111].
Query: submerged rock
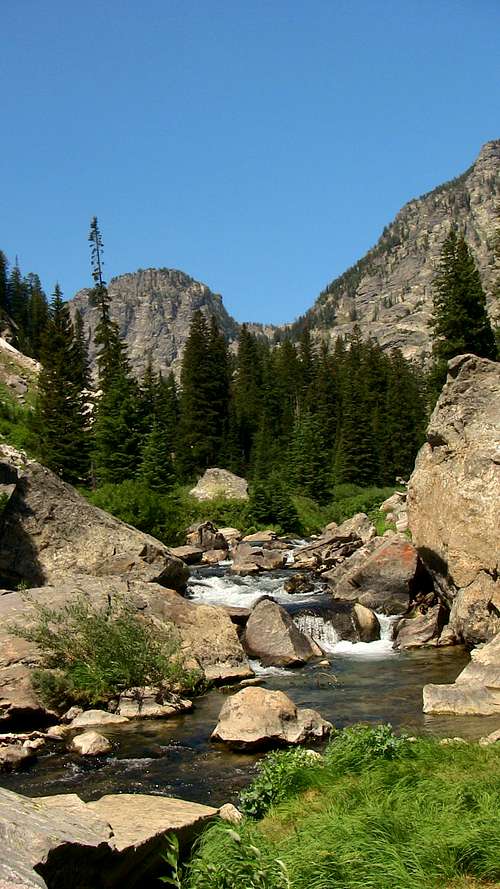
[272, 637]
[454, 497]
[255, 718]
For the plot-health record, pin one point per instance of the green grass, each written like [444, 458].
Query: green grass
[15, 421]
[376, 813]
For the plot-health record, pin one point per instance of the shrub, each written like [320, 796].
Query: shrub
[360, 746]
[281, 774]
[91, 654]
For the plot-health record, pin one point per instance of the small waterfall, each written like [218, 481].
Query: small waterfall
[321, 631]
[386, 622]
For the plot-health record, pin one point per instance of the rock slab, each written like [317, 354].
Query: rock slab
[475, 692]
[454, 497]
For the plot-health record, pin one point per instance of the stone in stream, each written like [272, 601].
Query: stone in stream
[14, 757]
[248, 559]
[475, 692]
[95, 717]
[205, 536]
[191, 555]
[254, 718]
[366, 622]
[214, 556]
[272, 637]
[150, 703]
[421, 630]
[91, 744]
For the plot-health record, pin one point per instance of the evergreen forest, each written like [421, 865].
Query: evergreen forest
[307, 424]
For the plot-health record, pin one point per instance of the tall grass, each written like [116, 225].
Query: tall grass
[379, 813]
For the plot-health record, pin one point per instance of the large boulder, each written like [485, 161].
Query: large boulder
[272, 637]
[384, 581]
[476, 691]
[255, 718]
[454, 496]
[61, 842]
[206, 634]
[220, 483]
[48, 529]
[248, 559]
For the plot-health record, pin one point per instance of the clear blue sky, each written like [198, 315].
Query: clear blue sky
[261, 147]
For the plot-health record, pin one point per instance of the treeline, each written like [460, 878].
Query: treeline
[25, 305]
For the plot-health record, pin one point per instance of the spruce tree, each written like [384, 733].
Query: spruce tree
[156, 469]
[4, 292]
[59, 414]
[460, 321]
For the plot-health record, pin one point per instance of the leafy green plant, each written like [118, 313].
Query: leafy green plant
[360, 746]
[92, 653]
[280, 774]
[246, 865]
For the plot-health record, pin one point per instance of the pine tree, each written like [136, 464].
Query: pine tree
[4, 291]
[59, 415]
[460, 322]
[37, 316]
[156, 469]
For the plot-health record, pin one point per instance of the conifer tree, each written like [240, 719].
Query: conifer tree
[59, 415]
[156, 469]
[460, 322]
[4, 292]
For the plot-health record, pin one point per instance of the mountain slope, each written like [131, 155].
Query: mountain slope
[153, 309]
[388, 293]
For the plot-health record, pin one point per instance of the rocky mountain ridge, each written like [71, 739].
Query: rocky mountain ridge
[388, 293]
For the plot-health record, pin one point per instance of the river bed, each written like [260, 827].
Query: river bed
[367, 682]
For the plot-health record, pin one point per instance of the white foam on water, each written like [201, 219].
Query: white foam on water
[260, 670]
[321, 631]
[241, 591]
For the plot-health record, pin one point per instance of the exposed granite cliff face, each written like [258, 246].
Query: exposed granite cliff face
[388, 293]
[153, 309]
[454, 498]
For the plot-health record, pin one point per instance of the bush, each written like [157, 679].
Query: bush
[281, 774]
[91, 654]
[360, 746]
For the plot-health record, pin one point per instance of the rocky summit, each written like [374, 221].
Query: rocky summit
[153, 309]
[387, 293]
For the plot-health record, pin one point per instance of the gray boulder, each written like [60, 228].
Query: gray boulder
[454, 496]
[220, 483]
[422, 630]
[272, 637]
[205, 536]
[48, 530]
[255, 718]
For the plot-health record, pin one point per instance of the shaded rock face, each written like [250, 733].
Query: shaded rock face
[421, 631]
[476, 691]
[272, 637]
[255, 718]
[388, 293]
[63, 843]
[153, 309]
[220, 483]
[47, 529]
[454, 497]
[206, 634]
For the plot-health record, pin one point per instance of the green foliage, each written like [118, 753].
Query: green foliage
[349, 499]
[92, 653]
[382, 812]
[16, 424]
[460, 322]
[280, 775]
[271, 503]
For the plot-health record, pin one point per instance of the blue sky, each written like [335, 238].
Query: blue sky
[259, 146]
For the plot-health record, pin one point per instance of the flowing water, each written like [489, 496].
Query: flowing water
[367, 682]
